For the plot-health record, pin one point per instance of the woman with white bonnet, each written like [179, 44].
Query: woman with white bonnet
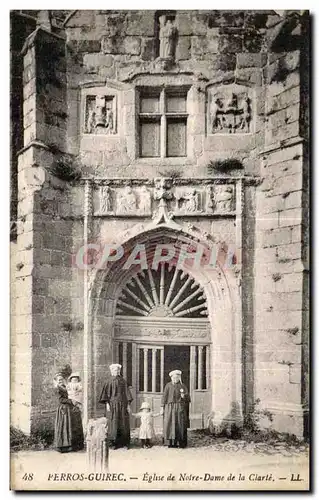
[175, 408]
[117, 397]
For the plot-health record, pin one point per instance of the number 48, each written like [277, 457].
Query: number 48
[28, 476]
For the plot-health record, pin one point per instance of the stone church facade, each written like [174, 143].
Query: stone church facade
[145, 130]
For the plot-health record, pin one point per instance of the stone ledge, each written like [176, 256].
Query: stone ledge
[287, 143]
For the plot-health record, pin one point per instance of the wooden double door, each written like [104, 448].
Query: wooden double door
[146, 367]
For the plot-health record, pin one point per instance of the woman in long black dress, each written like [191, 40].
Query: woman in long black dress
[68, 430]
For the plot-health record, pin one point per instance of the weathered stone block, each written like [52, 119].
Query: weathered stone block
[250, 75]
[198, 44]
[275, 237]
[223, 62]
[289, 131]
[293, 181]
[183, 48]
[292, 60]
[132, 45]
[29, 88]
[254, 60]
[290, 217]
[230, 44]
[88, 46]
[28, 74]
[289, 251]
[295, 374]
[290, 282]
[94, 61]
[148, 49]
[256, 20]
[252, 42]
[140, 23]
[184, 23]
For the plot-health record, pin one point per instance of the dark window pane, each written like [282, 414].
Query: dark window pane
[158, 370]
[176, 137]
[141, 370]
[129, 363]
[149, 104]
[149, 138]
[176, 104]
[149, 370]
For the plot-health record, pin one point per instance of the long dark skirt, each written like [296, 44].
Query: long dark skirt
[119, 430]
[68, 431]
[175, 424]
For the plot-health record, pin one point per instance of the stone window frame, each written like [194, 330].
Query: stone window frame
[163, 90]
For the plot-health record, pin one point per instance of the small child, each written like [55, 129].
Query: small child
[75, 390]
[147, 427]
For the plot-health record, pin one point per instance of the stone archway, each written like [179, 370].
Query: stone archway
[221, 290]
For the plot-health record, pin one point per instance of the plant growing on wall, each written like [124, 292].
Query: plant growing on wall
[64, 166]
[224, 165]
[254, 415]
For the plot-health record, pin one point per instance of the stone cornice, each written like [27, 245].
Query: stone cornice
[30, 41]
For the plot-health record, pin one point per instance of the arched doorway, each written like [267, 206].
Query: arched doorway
[136, 314]
[161, 324]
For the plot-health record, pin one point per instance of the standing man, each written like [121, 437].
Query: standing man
[175, 408]
[117, 398]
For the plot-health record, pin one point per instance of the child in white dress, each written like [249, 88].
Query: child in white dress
[147, 425]
[75, 390]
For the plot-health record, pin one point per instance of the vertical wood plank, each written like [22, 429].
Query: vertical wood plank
[125, 359]
[145, 368]
[200, 367]
[207, 367]
[162, 370]
[192, 370]
[154, 370]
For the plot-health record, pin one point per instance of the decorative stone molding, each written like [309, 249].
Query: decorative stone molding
[164, 198]
[230, 109]
[156, 333]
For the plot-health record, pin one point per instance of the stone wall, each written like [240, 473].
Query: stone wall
[281, 329]
[112, 55]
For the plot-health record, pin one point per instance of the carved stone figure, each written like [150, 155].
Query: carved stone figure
[145, 201]
[126, 201]
[162, 189]
[188, 201]
[168, 36]
[246, 116]
[216, 118]
[230, 111]
[100, 119]
[224, 199]
[105, 200]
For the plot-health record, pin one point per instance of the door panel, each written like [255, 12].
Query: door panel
[150, 378]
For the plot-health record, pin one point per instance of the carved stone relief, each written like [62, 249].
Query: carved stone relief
[105, 199]
[223, 199]
[188, 201]
[100, 115]
[116, 199]
[126, 202]
[121, 331]
[230, 110]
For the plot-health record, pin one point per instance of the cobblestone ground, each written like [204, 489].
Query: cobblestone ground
[205, 458]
